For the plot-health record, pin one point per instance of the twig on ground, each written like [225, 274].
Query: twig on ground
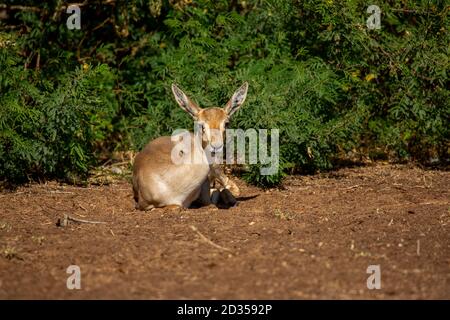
[121, 163]
[80, 215]
[207, 240]
[65, 221]
[62, 192]
[352, 187]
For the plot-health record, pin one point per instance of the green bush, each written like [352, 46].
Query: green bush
[334, 88]
[52, 128]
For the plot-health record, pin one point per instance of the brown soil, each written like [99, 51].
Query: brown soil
[313, 239]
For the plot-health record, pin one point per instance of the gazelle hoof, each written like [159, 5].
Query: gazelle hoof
[227, 198]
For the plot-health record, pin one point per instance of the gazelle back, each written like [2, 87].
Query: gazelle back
[160, 180]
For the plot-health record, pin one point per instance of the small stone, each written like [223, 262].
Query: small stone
[116, 170]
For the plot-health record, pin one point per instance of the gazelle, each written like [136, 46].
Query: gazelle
[159, 181]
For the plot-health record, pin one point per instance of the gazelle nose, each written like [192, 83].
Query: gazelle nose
[216, 146]
[217, 149]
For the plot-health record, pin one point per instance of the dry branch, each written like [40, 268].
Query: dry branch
[207, 240]
[65, 221]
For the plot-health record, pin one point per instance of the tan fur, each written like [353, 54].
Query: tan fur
[159, 182]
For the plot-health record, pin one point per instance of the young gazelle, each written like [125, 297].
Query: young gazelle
[159, 181]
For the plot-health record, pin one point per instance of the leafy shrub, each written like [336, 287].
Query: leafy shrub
[51, 128]
[334, 88]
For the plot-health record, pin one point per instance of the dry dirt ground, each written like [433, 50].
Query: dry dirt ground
[315, 238]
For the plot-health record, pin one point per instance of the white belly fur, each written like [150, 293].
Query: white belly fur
[181, 185]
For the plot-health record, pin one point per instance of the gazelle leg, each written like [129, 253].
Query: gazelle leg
[205, 198]
[216, 174]
[215, 196]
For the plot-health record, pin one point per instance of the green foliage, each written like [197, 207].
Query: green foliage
[332, 87]
[253, 175]
[52, 128]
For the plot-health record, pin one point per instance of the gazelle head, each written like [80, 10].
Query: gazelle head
[212, 120]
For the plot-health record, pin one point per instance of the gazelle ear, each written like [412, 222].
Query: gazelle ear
[185, 103]
[237, 100]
